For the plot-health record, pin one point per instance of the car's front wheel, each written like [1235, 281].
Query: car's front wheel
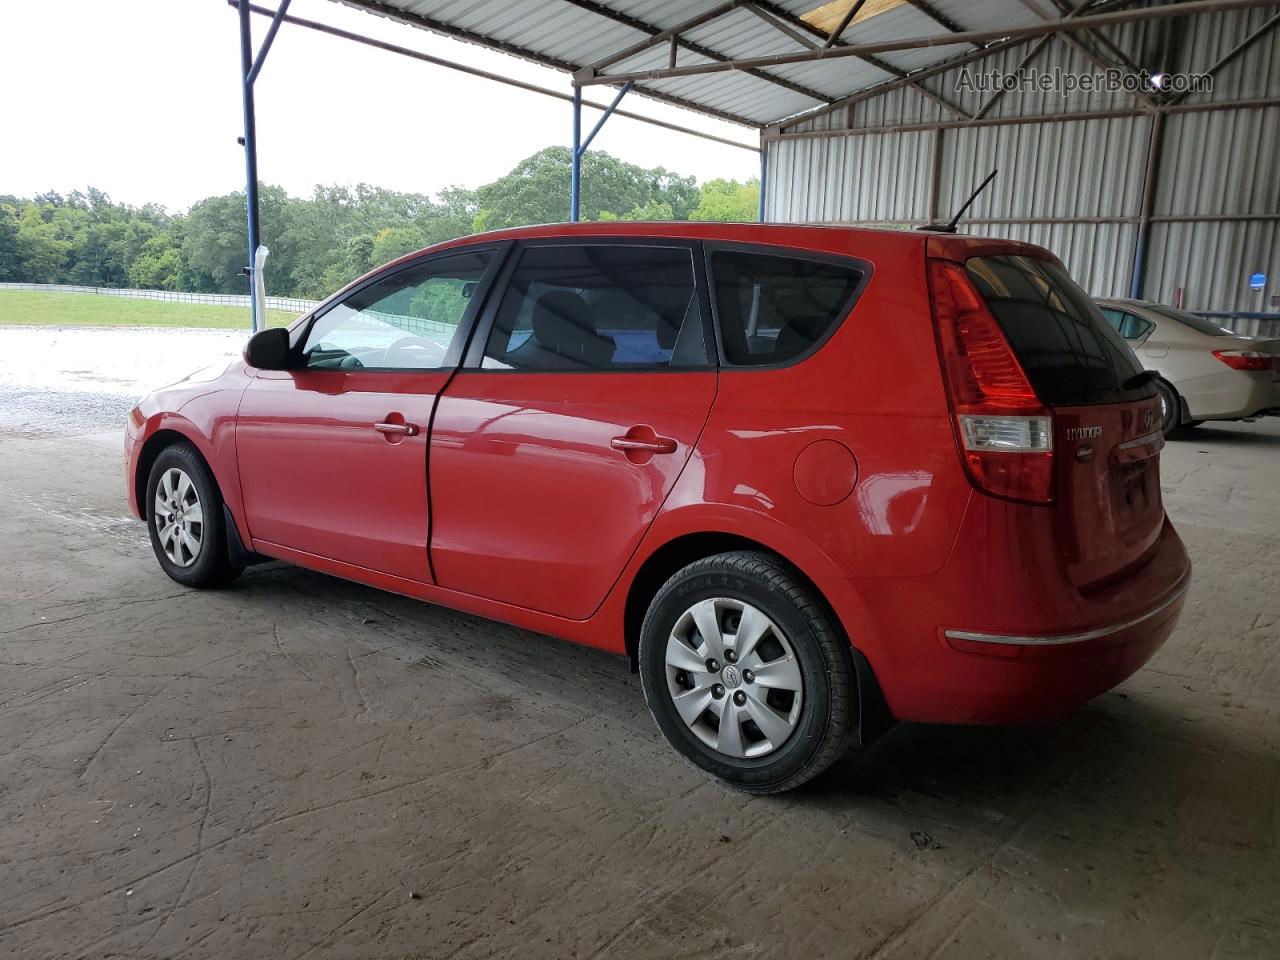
[184, 519]
[746, 674]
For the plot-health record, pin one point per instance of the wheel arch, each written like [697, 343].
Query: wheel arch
[155, 445]
[1183, 412]
[687, 548]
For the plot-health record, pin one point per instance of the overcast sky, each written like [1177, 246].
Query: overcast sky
[140, 98]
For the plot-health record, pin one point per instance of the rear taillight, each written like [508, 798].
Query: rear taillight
[1005, 432]
[1246, 359]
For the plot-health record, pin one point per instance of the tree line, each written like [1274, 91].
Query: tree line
[321, 242]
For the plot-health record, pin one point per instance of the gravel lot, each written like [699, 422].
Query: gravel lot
[298, 766]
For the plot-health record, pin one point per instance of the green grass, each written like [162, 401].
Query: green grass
[33, 308]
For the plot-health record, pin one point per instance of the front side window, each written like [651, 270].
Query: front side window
[773, 308]
[598, 307]
[410, 320]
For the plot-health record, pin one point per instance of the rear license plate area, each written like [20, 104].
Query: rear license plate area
[1132, 489]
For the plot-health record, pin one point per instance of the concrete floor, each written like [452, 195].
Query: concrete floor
[298, 766]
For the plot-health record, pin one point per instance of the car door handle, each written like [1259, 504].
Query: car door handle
[404, 429]
[657, 445]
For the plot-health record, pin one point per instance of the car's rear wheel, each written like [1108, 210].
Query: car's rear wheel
[184, 519]
[746, 674]
[1170, 408]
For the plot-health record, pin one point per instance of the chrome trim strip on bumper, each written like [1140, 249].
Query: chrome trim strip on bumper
[1064, 638]
[1143, 440]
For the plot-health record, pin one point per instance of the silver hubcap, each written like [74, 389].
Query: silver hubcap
[734, 677]
[178, 518]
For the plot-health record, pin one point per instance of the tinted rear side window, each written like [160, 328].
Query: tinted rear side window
[1070, 353]
[772, 308]
[598, 307]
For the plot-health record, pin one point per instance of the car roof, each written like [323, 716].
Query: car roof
[869, 242]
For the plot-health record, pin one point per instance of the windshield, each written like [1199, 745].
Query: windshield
[1199, 324]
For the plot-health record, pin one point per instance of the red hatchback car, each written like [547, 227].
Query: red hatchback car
[810, 479]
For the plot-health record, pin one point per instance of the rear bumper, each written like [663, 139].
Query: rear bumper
[1229, 395]
[984, 642]
[1080, 636]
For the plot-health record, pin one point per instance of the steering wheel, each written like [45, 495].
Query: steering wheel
[405, 352]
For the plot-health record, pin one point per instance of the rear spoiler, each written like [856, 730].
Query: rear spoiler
[941, 246]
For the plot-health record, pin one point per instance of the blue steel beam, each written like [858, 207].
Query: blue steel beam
[250, 67]
[608, 112]
[580, 146]
[250, 141]
[575, 168]
[764, 178]
[268, 40]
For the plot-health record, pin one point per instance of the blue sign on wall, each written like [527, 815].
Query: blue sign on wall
[1257, 281]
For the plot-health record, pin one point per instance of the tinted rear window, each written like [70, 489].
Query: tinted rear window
[1070, 353]
[772, 308]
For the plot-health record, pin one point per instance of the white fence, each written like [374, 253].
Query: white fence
[289, 304]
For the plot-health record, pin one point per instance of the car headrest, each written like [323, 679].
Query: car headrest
[562, 325]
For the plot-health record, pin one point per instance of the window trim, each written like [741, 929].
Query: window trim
[453, 356]
[473, 358]
[712, 247]
[1149, 328]
[1148, 325]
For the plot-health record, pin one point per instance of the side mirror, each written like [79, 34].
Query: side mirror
[268, 349]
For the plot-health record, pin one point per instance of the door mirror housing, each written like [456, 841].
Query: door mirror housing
[268, 349]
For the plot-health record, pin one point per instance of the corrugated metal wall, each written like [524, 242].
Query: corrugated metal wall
[1217, 163]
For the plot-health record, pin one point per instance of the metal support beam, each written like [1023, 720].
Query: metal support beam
[608, 112]
[1022, 65]
[657, 34]
[922, 73]
[764, 177]
[269, 39]
[575, 170]
[785, 29]
[486, 75]
[580, 146]
[421, 20]
[250, 141]
[932, 12]
[1079, 47]
[847, 19]
[250, 67]
[783, 16]
[1142, 238]
[1235, 51]
[1101, 38]
[1019, 120]
[1024, 31]
[934, 214]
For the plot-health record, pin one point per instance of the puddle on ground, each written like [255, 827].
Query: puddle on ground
[123, 527]
[130, 361]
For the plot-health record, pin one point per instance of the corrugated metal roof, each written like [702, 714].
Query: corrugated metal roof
[570, 34]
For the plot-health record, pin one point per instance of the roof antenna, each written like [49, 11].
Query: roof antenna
[951, 227]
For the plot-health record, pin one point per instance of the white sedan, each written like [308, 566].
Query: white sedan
[1206, 371]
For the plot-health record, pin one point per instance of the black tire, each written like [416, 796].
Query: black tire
[210, 566]
[828, 707]
[1170, 408]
